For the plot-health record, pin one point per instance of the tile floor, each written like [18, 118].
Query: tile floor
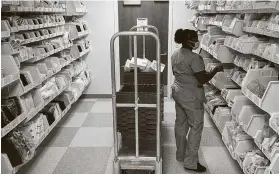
[82, 144]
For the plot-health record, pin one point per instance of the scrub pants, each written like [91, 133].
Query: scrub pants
[189, 115]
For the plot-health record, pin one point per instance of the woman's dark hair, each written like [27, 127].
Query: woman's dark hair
[182, 36]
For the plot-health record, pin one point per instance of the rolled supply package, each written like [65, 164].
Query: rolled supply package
[154, 66]
[141, 63]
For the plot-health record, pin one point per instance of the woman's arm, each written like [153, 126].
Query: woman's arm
[203, 76]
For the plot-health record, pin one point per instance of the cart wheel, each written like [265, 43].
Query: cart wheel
[143, 172]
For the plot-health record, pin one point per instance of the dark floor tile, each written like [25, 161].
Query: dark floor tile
[98, 120]
[44, 162]
[84, 160]
[73, 120]
[60, 137]
[83, 106]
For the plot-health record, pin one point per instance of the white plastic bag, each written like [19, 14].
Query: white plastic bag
[141, 63]
[154, 66]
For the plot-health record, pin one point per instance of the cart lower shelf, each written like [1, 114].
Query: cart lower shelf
[138, 165]
[147, 148]
[137, 172]
[146, 163]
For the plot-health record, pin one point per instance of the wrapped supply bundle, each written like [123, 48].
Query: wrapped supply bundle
[144, 65]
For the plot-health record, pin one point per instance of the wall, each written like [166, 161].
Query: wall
[178, 18]
[102, 17]
[103, 23]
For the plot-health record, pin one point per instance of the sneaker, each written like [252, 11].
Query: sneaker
[199, 169]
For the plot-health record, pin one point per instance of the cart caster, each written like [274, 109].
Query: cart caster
[116, 167]
[159, 168]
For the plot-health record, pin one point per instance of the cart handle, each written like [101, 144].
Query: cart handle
[130, 38]
[112, 56]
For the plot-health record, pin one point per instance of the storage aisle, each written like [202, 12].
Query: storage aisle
[242, 100]
[83, 140]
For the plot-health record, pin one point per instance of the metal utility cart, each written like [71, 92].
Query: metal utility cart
[143, 39]
[137, 158]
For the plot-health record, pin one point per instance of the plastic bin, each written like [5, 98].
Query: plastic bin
[20, 88]
[75, 8]
[207, 8]
[248, 160]
[201, 23]
[207, 39]
[236, 144]
[246, 47]
[268, 77]
[233, 25]
[274, 165]
[239, 102]
[242, 146]
[267, 31]
[221, 119]
[79, 49]
[228, 41]
[274, 122]
[228, 132]
[271, 55]
[231, 94]
[77, 29]
[66, 97]
[5, 30]
[222, 80]
[224, 54]
[266, 6]
[16, 121]
[252, 119]
[10, 72]
[6, 166]
[217, 20]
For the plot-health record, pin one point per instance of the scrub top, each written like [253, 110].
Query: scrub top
[184, 64]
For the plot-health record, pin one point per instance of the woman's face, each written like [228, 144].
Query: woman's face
[194, 42]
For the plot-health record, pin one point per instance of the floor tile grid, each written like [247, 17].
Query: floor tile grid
[94, 155]
[54, 147]
[85, 121]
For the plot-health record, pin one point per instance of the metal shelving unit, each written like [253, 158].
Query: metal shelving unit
[48, 60]
[267, 75]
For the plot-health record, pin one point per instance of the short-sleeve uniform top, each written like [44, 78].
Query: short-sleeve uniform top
[184, 64]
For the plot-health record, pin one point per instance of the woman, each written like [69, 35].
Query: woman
[188, 94]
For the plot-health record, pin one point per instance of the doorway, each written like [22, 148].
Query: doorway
[157, 13]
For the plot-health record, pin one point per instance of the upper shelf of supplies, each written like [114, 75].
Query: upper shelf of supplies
[67, 8]
[32, 6]
[238, 7]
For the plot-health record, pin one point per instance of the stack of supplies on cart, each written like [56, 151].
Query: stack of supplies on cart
[147, 94]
